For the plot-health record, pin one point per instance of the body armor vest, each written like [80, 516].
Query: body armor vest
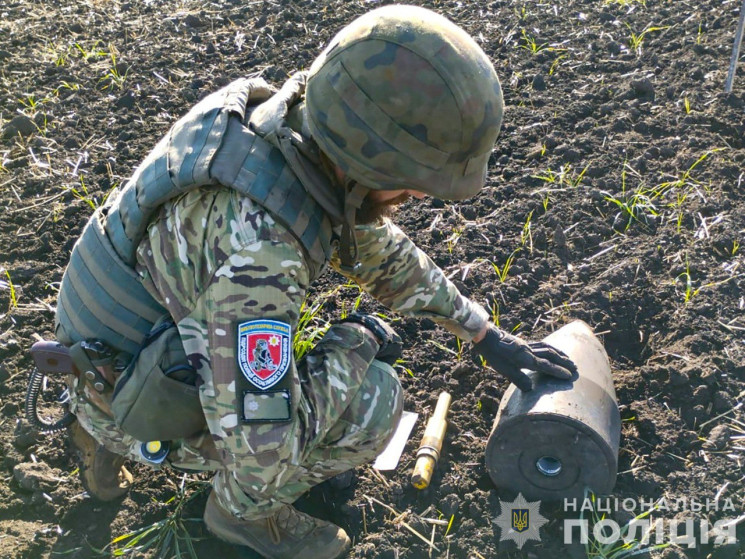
[101, 296]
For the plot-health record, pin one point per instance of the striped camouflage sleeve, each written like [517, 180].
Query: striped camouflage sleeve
[404, 279]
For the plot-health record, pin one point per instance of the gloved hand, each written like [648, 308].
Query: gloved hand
[508, 354]
[391, 345]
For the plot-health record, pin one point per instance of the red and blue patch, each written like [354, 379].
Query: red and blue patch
[264, 351]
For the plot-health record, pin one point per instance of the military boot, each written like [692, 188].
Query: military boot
[101, 471]
[287, 534]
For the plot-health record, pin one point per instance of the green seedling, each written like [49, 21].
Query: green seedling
[635, 205]
[636, 41]
[531, 45]
[59, 58]
[401, 364]
[13, 302]
[94, 52]
[83, 194]
[457, 353]
[625, 547]
[310, 327]
[450, 525]
[563, 177]
[555, 66]
[356, 305]
[454, 237]
[504, 271]
[678, 191]
[495, 313]
[626, 2]
[115, 77]
[689, 291]
[165, 538]
[32, 104]
[526, 235]
[687, 105]
[68, 86]
[685, 178]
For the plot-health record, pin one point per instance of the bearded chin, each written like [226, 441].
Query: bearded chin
[371, 212]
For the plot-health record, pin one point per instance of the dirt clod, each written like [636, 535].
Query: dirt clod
[718, 437]
[20, 124]
[35, 476]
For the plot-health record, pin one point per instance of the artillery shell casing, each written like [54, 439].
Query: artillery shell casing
[429, 450]
[552, 442]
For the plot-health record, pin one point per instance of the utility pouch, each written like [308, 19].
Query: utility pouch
[156, 397]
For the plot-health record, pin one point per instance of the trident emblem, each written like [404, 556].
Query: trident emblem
[520, 519]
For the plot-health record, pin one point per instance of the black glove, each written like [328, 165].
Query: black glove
[508, 354]
[391, 344]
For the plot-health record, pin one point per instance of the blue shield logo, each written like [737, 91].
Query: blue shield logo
[520, 519]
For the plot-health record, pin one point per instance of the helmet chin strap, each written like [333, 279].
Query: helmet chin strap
[354, 194]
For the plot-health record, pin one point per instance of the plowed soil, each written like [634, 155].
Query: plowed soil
[615, 192]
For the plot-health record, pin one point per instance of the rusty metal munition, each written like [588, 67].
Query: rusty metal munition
[552, 442]
[429, 451]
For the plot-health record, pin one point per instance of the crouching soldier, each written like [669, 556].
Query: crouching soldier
[182, 296]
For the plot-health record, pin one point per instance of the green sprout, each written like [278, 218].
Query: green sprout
[687, 105]
[564, 176]
[633, 205]
[94, 52]
[454, 237]
[526, 235]
[401, 364]
[457, 353]
[13, 303]
[636, 41]
[531, 45]
[555, 66]
[626, 2]
[624, 547]
[68, 86]
[310, 327]
[685, 278]
[165, 538]
[504, 271]
[495, 313]
[115, 77]
[83, 194]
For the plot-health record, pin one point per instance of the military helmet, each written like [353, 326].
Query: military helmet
[402, 98]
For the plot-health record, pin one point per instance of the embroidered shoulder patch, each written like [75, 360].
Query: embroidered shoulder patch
[264, 348]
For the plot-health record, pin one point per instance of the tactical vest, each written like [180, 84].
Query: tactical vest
[101, 297]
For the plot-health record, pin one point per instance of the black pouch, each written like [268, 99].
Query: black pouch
[156, 398]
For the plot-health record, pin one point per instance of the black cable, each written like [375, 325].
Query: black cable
[32, 415]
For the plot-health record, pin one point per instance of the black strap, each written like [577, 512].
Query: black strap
[348, 251]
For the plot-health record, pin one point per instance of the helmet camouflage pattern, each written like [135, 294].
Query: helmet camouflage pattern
[402, 98]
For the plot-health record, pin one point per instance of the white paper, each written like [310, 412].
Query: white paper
[388, 459]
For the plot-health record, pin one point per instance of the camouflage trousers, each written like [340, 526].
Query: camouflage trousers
[328, 438]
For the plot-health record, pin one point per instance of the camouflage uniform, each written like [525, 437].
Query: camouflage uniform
[213, 258]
